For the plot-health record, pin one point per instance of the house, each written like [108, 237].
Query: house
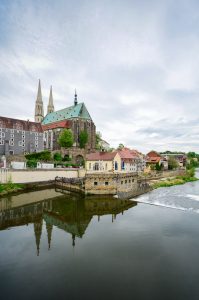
[153, 159]
[103, 162]
[104, 146]
[129, 161]
[141, 160]
[180, 158]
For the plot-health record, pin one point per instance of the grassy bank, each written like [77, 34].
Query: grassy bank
[178, 180]
[10, 187]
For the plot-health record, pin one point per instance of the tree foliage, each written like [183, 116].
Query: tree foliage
[43, 156]
[98, 138]
[57, 156]
[83, 138]
[65, 139]
[120, 147]
[158, 167]
[172, 163]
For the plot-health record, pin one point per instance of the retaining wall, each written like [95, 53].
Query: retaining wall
[31, 176]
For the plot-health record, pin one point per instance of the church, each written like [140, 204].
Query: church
[75, 117]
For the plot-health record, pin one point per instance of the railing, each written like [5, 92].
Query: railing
[5, 175]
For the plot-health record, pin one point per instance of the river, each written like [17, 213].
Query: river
[64, 246]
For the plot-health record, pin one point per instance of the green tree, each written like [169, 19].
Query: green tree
[65, 139]
[57, 156]
[98, 138]
[158, 167]
[120, 147]
[172, 163]
[83, 138]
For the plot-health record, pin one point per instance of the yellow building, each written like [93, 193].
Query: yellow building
[103, 162]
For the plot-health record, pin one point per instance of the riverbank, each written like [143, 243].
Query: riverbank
[8, 188]
[178, 180]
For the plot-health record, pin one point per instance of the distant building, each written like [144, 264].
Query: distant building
[104, 146]
[129, 161]
[19, 136]
[153, 158]
[180, 158]
[103, 162]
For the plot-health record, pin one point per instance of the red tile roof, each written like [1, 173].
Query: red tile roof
[126, 153]
[20, 124]
[153, 154]
[101, 156]
[153, 159]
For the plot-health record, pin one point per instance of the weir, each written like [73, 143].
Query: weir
[181, 197]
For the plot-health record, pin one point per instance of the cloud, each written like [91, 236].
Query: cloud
[133, 63]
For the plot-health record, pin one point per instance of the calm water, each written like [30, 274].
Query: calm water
[62, 246]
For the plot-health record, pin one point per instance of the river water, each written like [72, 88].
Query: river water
[64, 246]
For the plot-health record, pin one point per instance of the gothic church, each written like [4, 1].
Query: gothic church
[75, 117]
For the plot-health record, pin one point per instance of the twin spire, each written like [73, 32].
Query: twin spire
[39, 110]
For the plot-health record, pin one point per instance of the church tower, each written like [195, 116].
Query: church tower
[50, 103]
[39, 110]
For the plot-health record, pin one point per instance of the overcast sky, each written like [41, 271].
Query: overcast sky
[135, 64]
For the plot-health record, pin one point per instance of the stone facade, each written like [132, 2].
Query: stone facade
[19, 136]
[110, 184]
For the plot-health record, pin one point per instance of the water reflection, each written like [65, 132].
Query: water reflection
[69, 212]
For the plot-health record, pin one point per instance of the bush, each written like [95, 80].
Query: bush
[66, 158]
[31, 163]
[57, 156]
[43, 155]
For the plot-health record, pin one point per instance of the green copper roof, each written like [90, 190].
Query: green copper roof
[75, 111]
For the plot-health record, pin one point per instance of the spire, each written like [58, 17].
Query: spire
[50, 103]
[49, 229]
[39, 110]
[39, 95]
[73, 240]
[38, 233]
[75, 100]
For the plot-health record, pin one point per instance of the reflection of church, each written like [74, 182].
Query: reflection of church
[67, 212]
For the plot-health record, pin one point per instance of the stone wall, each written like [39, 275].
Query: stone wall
[30, 176]
[110, 184]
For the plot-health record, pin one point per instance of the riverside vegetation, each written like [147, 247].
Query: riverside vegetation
[178, 180]
[10, 187]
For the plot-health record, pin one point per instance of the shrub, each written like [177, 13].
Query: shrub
[32, 163]
[43, 155]
[57, 156]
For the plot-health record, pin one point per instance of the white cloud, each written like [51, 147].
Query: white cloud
[135, 66]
